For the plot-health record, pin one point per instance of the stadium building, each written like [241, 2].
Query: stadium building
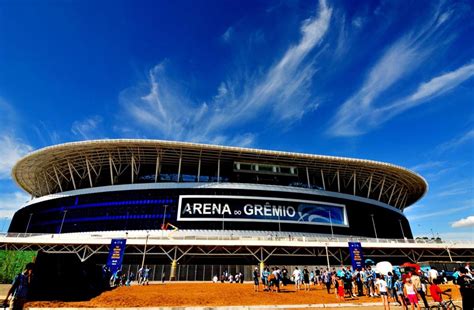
[191, 211]
[127, 185]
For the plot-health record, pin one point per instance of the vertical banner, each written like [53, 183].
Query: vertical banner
[357, 258]
[117, 250]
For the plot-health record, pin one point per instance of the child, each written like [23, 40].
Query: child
[398, 286]
[340, 288]
[410, 292]
[383, 290]
[436, 292]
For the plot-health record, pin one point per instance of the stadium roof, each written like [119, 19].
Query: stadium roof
[94, 163]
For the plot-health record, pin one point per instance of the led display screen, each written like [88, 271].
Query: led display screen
[260, 209]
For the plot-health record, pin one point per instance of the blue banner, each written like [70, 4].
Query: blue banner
[117, 250]
[357, 257]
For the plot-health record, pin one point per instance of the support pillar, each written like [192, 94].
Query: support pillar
[262, 266]
[327, 259]
[449, 253]
[174, 264]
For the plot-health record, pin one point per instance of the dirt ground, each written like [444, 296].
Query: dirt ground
[208, 294]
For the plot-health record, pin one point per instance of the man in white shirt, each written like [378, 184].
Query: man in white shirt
[297, 278]
[433, 275]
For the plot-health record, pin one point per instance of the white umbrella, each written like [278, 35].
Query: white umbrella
[384, 268]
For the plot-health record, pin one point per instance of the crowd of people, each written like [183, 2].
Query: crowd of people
[119, 278]
[229, 277]
[406, 289]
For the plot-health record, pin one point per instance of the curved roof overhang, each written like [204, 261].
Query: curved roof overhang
[48, 170]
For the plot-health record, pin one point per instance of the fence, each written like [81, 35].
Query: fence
[202, 272]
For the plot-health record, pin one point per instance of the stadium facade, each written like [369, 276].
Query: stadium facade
[127, 185]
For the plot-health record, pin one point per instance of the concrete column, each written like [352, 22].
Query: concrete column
[174, 263]
[262, 266]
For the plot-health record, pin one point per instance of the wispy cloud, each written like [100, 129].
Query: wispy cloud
[11, 150]
[464, 222]
[226, 36]
[427, 166]
[367, 109]
[87, 129]
[415, 207]
[279, 94]
[46, 135]
[456, 189]
[456, 142]
[437, 213]
[11, 202]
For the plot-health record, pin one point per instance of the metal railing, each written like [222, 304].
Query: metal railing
[234, 236]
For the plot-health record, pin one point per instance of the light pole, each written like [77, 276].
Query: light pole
[327, 256]
[144, 250]
[223, 228]
[373, 223]
[279, 222]
[126, 221]
[62, 222]
[163, 223]
[164, 216]
[28, 225]
[330, 222]
[401, 227]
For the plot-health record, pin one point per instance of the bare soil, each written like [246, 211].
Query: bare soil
[208, 295]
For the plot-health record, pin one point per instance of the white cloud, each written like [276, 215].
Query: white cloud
[11, 202]
[464, 222]
[459, 188]
[358, 22]
[442, 83]
[427, 166]
[227, 34]
[279, 94]
[456, 142]
[87, 129]
[355, 116]
[11, 150]
[437, 213]
[414, 207]
[366, 110]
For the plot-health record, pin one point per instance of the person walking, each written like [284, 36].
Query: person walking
[297, 278]
[146, 275]
[419, 289]
[255, 276]
[358, 280]
[398, 288]
[327, 280]
[383, 290]
[20, 287]
[340, 288]
[265, 274]
[370, 274]
[410, 291]
[306, 279]
[466, 288]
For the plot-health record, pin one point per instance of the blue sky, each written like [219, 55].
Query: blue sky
[391, 81]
